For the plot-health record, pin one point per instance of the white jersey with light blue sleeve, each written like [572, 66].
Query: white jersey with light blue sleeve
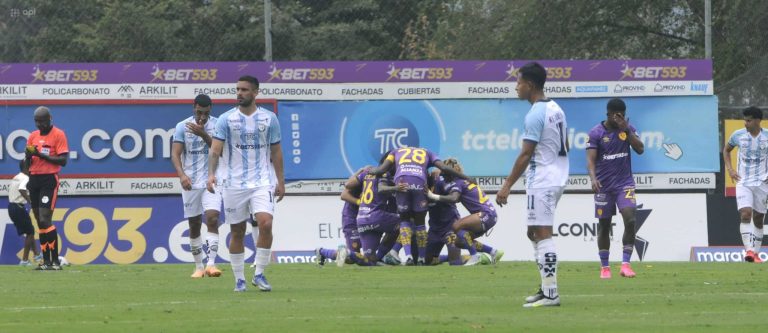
[753, 156]
[194, 157]
[247, 142]
[545, 125]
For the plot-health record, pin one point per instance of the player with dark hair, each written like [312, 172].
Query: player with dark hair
[47, 151]
[189, 155]
[253, 178]
[609, 164]
[750, 177]
[18, 197]
[410, 169]
[544, 154]
[351, 197]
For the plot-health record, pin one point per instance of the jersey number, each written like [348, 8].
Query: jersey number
[419, 155]
[480, 195]
[367, 197]
[563, 146]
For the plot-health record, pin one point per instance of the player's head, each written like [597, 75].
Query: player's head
[43, 119]
[530, 79]
[202, 109]
[454, 164]
[752, 117]
[616, 106]
[247, 89]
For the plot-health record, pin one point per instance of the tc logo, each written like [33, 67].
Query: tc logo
[390, 138]
[391, 132]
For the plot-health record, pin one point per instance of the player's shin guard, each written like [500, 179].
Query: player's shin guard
[53, 245]
[196, 246]
[237, 261]
[758, 232]
[604, 256]
[212, 242]
[262, 259]
[405, 237]
[626, 253]
[421, 240]
[548, 267]
[746, 235]
[464, 241]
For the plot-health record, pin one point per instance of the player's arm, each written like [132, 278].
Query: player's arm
[453, 197]
[176, 149]
[23, 190]
[199, 130]
[450, 171]
[591, 162]
[60, 159]
[727, 148]
[277, 161]
[521, 163]
[352, 184]
[386, 186]
[213, 162]
[383, 167]
[635, 142]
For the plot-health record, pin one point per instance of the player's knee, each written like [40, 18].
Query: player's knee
[265, 226]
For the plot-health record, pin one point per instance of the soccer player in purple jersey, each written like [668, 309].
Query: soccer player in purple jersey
[481, 219]
[411, 165]
[351, 197]
[376, 217]
[609, 163]
[442, 215]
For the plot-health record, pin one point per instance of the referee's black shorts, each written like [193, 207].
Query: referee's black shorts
[43, 190]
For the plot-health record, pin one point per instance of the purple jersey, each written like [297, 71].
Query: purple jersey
[472, 197]
[442, 214]
[370, 199]
[411, 164]
[613, 166]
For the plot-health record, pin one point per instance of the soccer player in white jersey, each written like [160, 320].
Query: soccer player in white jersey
[545, 154]
[189, 154]
[750, 177]
[248, 140]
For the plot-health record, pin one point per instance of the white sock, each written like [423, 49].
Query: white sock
[548, 267]
[535, 252]
[212, 240]
[758, 239]
[236, 260]
[196, 246]
[255, 236]
[746, 235]
[262, 259]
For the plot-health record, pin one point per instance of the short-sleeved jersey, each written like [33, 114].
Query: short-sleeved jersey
[247, 147]
[545, 125]
[194, 158]
[350, 210]
[19, 182]
[442, 214]
[753, 156]
[52, 144]
[370, 199]
[613, 166]
[472, 197]
[412, 162]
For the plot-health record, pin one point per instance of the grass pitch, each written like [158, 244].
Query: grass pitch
[665, 297]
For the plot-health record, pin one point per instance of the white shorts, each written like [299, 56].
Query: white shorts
[239, 204]
[752, 196]
[541, 205]
[197, 201]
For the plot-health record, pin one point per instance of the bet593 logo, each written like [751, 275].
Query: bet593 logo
[65, 75]
[183, 74]
[300, 74]
[419, 73]
[377, 127]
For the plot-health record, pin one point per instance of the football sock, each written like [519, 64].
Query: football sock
[604, 254]
[44, 246]
[328, 253]
[464, 241]
[758, 239]
[237, 262]
[405, 237]
[626, 254]
[421, 240]
[212, 242]
[196, 246]
[480, 247]
[548, 267]
[746, 235]
[53, 245]
[262, 259]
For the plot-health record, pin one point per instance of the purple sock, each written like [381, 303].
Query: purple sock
[405, 237]
[627, 254]
[483, 248]
[421, 240]
[604, 257]
[328, 253]
[397, 246]
[464, 241]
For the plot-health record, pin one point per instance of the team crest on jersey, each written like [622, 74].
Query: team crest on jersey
[623, 136]
[606, 139]
[599, 211]
[262, 127]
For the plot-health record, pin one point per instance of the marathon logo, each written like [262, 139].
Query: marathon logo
[721, 254]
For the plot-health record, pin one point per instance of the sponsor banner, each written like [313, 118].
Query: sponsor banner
[351, 71]
[485, 135]
[111, 186]
[128, 230]
[721, 254]
[124, 140]
[352, 91]
[730, 126]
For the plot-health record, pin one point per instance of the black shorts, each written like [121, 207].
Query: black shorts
[20, 217]
[43, 190]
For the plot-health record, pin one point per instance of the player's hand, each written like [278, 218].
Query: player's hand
[402, 187]
[196, 129]
[734, 175]
[211, 185]
[280, 191]
[622, 123]
[502, 195]
[596, 186]
[186, 183]
[432, 197]
[31, 150]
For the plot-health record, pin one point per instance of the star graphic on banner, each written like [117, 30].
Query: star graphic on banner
[627, 71]
[393, 72]
[274, 73]
[511, 71]
[157, 73]
[38, 74]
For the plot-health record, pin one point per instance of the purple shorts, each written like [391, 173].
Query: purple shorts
[372, 228]
[349, 226]
[607, 201]
[487, 220]
[415, 199]
[436, 241]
